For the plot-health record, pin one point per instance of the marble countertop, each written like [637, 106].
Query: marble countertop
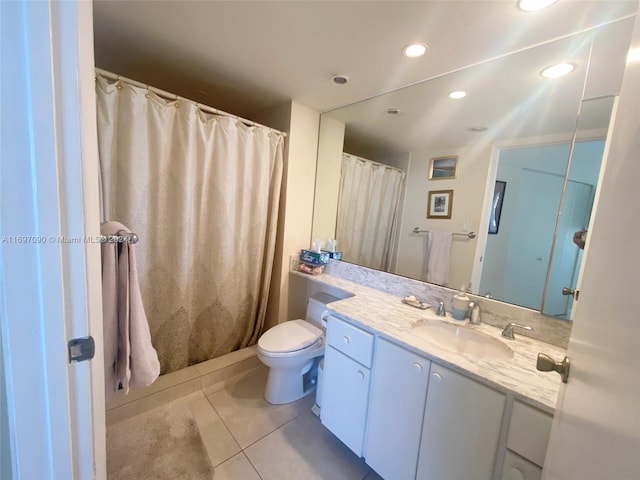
[389, 317]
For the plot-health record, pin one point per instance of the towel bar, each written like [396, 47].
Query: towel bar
[468, 235]
[120, 237]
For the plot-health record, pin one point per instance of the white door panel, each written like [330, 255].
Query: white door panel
[50, 289]
[596, 429]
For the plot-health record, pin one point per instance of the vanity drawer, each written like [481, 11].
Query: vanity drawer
[529, 432]
[350, 340]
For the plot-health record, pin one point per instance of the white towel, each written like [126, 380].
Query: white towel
[130, 359]
[438, 255]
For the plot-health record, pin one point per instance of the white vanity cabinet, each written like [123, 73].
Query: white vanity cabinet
[412, 418]
[398, 394]
[345, 389]
[527, 440]
[461, 428]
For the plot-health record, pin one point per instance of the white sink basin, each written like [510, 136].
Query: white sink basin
[463, 340]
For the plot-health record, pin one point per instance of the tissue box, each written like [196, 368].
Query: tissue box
[334, 255]
[314, 258]
[310, 269]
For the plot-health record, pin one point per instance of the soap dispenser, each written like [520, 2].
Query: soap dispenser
[460, 305]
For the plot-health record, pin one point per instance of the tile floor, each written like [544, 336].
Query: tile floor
[246, 438]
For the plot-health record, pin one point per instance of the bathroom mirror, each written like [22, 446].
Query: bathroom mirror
[508, 107]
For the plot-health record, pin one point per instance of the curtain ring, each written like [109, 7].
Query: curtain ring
[119, 85]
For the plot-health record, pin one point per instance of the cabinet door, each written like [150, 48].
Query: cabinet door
[398, 394]
[345, 393]
[518, 468]
[461, 428]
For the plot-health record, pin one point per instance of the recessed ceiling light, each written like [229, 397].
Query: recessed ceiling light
[392, 111]
[340, 79]
[533, 5]
[415, 50]
[457, 94]
[557, 70]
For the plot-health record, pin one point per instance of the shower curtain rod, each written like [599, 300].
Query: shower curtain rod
[375, 163]
[173, 96]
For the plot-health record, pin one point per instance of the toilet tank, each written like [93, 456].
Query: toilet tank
[316, 307]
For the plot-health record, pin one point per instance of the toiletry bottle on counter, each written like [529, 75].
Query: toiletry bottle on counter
[460, 305]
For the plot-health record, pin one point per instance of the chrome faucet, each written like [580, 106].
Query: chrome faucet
[508, 330]
[441, 311]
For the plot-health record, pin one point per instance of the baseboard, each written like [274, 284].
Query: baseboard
[207, 377]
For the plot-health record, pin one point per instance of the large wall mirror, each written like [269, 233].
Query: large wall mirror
[518, 162]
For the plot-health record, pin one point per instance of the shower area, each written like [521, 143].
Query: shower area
[201, 190]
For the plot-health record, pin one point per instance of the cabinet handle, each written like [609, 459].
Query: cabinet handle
[346, 339]
[361, 374]
[417, 366]
[436, 377]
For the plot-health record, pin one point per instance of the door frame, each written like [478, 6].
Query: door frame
[50, 281]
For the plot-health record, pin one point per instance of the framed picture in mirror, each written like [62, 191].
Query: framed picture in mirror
[496, 206]
[439, 204]
[443, 168]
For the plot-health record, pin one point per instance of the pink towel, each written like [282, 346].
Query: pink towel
[438, 253]
[130, 359]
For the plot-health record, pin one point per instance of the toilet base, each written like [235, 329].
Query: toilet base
[286, 386]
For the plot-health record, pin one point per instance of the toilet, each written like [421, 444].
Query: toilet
[292, 351]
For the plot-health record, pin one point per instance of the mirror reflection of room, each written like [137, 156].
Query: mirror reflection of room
[513, 126]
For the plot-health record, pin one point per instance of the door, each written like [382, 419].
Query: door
[345, 395]
[50, 271]
[565, 264]
[398, 395]
[596, 428]
[461, 428]
[529, 247]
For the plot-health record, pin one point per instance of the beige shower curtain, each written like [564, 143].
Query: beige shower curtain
[368, 211]
[201, 191]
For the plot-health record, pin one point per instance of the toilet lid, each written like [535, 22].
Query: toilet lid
[289, 336]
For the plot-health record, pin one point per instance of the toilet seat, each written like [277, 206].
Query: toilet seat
[289, 337]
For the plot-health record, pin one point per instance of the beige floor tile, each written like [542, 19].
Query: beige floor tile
[163, 443]
[217, 439]
[248, 416]
[236, 468]
[304, 449]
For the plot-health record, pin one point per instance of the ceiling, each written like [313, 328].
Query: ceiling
[506, 99]
[246, 56]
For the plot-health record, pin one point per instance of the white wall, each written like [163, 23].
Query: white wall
[296, 200]
[377, 153]
[468, 194]
[325, 205]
